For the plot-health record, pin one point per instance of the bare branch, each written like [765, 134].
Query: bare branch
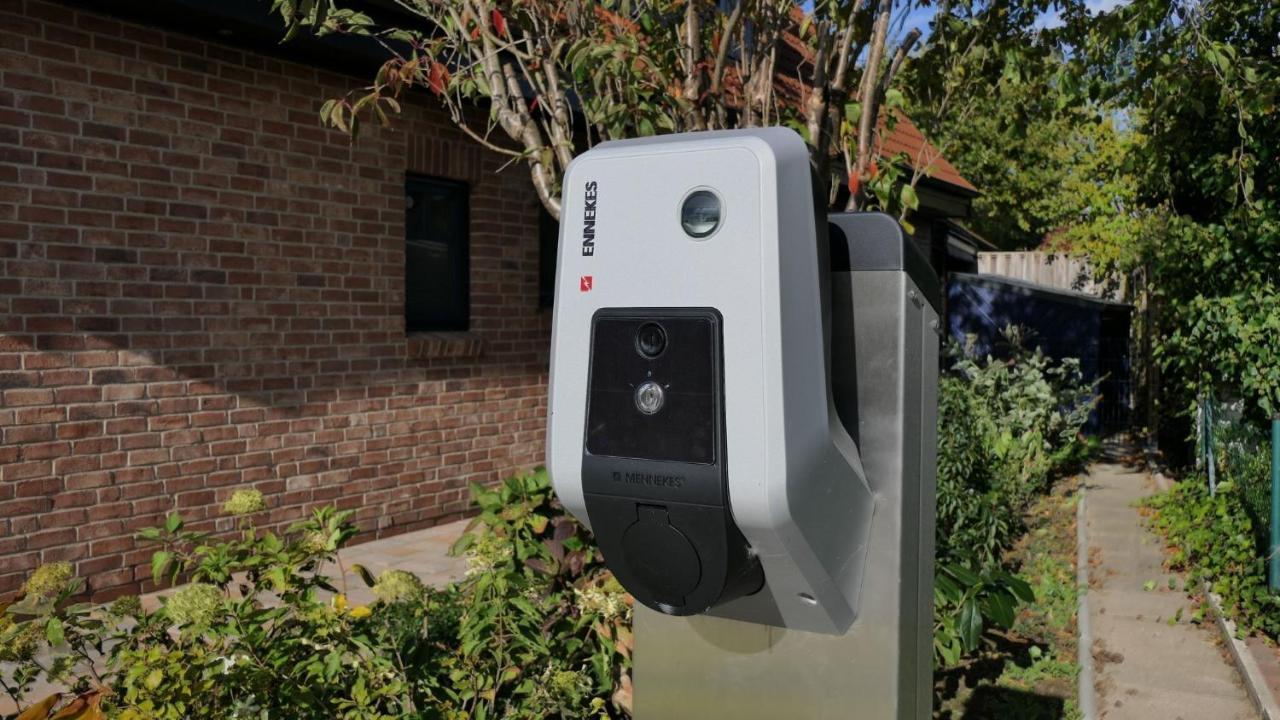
[692, 41]
[869, 95]
[899, 57]
[722, 54]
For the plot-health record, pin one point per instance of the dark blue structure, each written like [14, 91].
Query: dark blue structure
[1061, 323]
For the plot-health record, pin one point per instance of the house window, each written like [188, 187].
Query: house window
[548, 240]
[437, 255]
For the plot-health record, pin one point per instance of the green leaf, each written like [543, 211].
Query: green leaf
[1000, 608]
[159, 564]
[365, 575]
[909, 198]
[970, 624]
[53, 632]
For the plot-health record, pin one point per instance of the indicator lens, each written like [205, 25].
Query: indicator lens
[700, 214]
[649, 397]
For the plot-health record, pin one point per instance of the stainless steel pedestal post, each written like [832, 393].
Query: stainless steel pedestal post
[885, 374]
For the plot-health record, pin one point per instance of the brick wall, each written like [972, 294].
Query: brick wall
[201, 290]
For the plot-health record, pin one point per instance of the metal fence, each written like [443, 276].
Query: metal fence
[1246, 453]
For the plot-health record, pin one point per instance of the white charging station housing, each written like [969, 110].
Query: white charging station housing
[742, 287]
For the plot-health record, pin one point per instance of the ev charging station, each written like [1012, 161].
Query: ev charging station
[743, 410]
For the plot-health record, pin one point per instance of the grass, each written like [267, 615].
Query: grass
[1030, 671]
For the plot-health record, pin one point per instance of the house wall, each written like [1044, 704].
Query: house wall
[201, 290]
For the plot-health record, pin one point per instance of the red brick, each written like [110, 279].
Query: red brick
[204, 329]
[76, 431]
[51, 538]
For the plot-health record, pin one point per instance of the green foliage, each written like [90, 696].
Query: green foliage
[1199, 235]
[1213, 540]
[1029, 669]
[989, 90]
[537, 628]
[1242, 453]
[966, 603]
[1215, 292]
[1006, 428]
[544, 630]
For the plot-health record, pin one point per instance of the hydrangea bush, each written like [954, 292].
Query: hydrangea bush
[257, 630]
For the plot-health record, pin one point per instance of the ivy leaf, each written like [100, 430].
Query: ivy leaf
[909, 198]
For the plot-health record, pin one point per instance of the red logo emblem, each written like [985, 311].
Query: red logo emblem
[584, 283]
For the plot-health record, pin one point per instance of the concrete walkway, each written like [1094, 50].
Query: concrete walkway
[1148, 669]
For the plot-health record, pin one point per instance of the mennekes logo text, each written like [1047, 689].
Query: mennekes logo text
[589, 221]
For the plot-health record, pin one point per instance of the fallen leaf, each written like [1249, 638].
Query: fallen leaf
[41, 710]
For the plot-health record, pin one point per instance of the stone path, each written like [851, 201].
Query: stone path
[1148, 669]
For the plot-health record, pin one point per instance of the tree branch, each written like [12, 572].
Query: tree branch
[869, 97]
[899, 57]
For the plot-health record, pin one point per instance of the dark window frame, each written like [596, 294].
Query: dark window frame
[459, 248]
[548, 247]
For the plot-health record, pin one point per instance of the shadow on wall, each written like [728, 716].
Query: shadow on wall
[163, 395]
[201, 288]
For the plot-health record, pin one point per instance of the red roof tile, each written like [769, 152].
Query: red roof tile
[906, 138]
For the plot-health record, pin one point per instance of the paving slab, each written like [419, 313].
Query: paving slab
[1147, 669]
[424, 553]
[1155, 606]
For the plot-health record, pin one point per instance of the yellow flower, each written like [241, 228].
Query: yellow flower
[360, 611]
[315, 543]
[195, 604]
[397, 585]
[48, 580]
[19, 643]
[245, 502]
[340, 603]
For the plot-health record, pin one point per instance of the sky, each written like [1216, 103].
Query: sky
[1051, 19]
[919, 17]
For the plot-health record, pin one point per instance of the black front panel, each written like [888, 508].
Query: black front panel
[684, 428]
[653, 466]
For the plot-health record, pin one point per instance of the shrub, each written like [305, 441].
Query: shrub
[538, 628]
[1006, 428]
